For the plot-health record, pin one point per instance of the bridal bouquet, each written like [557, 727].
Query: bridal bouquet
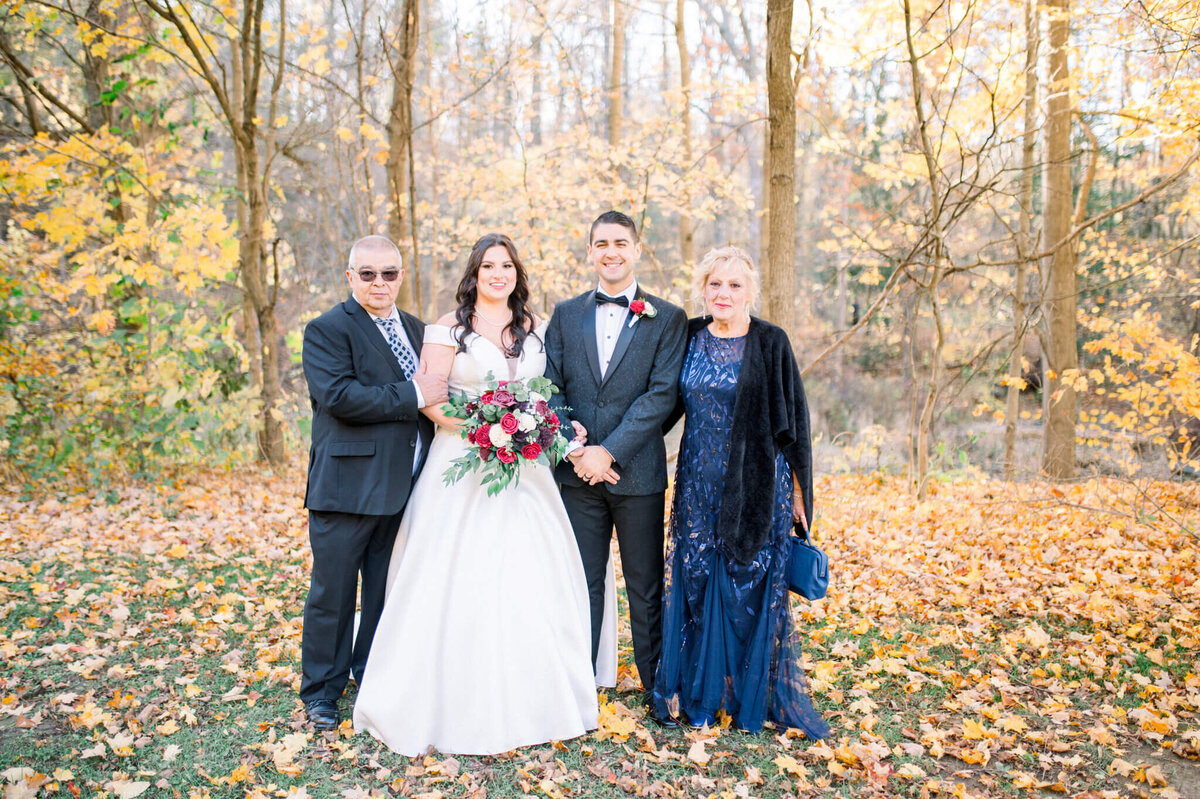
[509, 425]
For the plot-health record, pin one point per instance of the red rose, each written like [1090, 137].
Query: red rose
[530, 452]
[482, 434]
[552, 419]
[503, 398]
[509, 423]
[542, 407]
[505, 455]
[486, 398]
[637, 306]
[485, 453]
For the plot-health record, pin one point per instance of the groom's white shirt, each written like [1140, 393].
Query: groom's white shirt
[395, 317]
[609, 318]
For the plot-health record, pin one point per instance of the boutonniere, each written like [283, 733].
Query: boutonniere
[640, 308]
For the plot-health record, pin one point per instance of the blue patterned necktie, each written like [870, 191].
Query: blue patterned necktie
[403, 354]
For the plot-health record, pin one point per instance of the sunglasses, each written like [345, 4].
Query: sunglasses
[369, 275]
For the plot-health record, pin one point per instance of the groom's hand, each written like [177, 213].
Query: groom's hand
[594, 464]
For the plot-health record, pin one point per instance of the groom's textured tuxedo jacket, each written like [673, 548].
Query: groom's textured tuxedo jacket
[624, 408]
[365, 419]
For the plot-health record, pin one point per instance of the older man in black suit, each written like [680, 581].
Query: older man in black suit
[368, 442]
[616, 352]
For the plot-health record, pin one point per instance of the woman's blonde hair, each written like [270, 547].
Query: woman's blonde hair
[718, 256]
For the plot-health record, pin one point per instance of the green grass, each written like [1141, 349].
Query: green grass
[158, 641]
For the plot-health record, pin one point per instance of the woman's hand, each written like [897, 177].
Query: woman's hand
[580, 433]
[798, 510]
[798, 505]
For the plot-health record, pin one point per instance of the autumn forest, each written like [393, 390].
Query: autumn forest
[976, 220]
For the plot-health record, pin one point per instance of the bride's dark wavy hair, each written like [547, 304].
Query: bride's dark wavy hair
[521, 325]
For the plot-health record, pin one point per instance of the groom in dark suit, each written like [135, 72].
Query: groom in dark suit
[616, 353]
[368, 445]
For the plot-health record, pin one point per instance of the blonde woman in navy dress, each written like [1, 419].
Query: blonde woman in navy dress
[743, 483]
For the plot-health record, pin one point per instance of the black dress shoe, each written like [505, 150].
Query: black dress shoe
[323, 713]
[652, 713]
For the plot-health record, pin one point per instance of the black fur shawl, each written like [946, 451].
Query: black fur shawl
[770, 414]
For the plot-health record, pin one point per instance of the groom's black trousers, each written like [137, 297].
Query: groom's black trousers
[344, 545]
[639, 521]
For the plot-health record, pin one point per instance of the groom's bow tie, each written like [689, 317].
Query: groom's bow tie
[602, 298]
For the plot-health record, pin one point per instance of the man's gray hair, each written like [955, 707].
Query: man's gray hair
[373, 244]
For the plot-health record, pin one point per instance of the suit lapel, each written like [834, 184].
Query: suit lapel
[628, 331]
[367, 326]
[588, 332]
[410, 329]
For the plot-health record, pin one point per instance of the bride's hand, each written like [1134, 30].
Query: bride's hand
[580, 432]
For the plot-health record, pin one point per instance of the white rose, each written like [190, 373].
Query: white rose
[498, 437]
[526, 422]
[535, 398]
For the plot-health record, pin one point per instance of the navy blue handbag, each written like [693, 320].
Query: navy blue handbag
[808, 569]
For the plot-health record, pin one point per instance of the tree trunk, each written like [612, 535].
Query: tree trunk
[937, 267]
[1059, 404]
[430, 77]
[398, 168]
[842, 305]
[925, 424]
[753, 137]
[686, 243]
[616, 71]
[261, 291]
[1025, 243]
[536, 93]
[778, 270]
[241, 113]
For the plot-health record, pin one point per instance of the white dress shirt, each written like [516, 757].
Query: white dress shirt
[609, 319]
[395, 316]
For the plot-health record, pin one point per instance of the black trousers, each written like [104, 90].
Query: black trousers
[344, 546]
[594, 511]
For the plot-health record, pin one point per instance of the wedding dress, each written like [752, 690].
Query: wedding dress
[484, 641]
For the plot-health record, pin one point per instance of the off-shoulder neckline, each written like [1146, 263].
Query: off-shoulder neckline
[538, 326]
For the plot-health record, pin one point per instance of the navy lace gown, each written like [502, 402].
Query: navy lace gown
[728, 640]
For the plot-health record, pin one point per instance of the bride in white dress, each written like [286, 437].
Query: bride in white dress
[484, 642]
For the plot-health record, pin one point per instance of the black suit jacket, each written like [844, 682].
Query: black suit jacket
[624, 410]
[365, 418]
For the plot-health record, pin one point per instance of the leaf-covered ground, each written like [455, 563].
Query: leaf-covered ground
[992, 641]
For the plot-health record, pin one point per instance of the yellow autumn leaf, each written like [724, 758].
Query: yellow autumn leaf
[103, 321]
[370, 132]
[615, 722]
[127, 789]
[975, 755]
[1012, 723]
[974, 731]
[790, 766]
[1036, 636]
[190, 281]
[697, 754]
